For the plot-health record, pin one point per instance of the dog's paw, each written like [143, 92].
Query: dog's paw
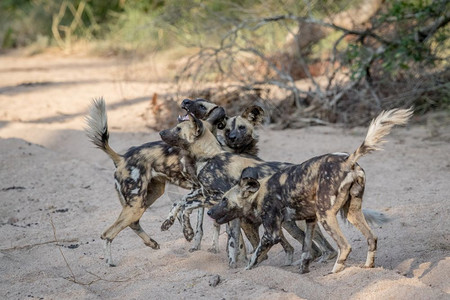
[338, 268]
[167, 224]
[188, 234]
[368, 266]
[153, 245]
[304, 270]
[213, 250]
[110, 263]
[193, 249]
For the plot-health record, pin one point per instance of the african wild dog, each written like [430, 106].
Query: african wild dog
[142, 172]
[217, 171]
[313, 191]
[239, 132]
[240, 137]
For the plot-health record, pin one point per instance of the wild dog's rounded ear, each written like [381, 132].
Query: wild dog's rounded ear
[217, 117]
[254, 114]
[249, 181]
[196, 124]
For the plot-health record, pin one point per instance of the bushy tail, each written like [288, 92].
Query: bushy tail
[97, 129]
[379, 128]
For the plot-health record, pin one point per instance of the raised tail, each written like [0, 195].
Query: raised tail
[97, 129]
[379, 128]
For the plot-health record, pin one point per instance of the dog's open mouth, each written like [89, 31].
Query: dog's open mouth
[186, 116]
[183, 118]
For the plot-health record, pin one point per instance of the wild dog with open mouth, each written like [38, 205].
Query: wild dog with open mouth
[240, 137]
[142, 172]
[313, 191]
[217, 171]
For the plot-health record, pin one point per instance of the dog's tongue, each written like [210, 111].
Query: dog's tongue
[183, 118]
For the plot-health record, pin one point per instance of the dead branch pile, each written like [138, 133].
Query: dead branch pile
[382, 55]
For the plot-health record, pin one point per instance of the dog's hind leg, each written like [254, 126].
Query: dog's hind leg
[356, 217]
[199, 230]
[148, 241]
[154, 191]
[128, 216]
[331, 226]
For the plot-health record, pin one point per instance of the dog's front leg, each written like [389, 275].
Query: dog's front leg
[272, 235]
[215, 244]
[186, 221]
[198, 231]
[107, 253]
[260, 254]
[176, 207]
[307, 246]
[234, 231]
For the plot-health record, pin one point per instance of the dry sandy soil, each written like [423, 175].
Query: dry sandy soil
[50, 175]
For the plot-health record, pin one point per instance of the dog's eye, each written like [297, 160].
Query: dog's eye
[202, 107]
[241, 127]
[178, 129]
[224, 201]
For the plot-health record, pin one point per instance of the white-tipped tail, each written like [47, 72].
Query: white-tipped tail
[97, 128]
[379, 128]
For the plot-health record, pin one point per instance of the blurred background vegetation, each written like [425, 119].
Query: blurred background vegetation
[358, 56]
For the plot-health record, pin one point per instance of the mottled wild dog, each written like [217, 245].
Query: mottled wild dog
[142, 172]
[240, 137]
[217, 171]
[313, 191]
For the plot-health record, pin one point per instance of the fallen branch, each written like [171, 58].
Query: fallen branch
[28, 246]
[73, 278]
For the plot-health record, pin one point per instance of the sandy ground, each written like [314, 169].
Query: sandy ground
[51, 175]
